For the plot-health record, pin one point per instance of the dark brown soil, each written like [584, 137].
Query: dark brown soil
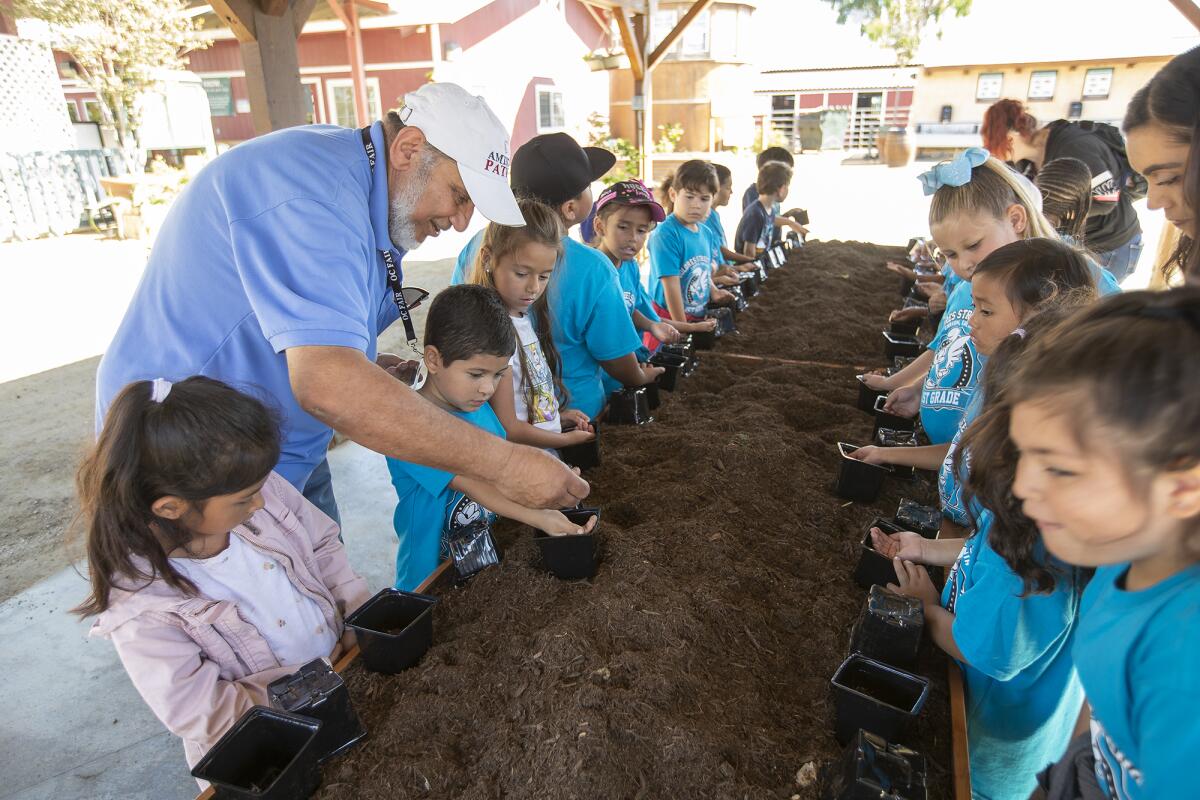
[697, 662]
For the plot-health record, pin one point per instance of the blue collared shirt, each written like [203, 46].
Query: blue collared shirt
[273, 245]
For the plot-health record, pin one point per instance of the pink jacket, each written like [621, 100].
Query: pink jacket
[195, 661]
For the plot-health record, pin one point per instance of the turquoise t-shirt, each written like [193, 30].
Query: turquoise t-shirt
[1023, 694]
[636, 299]
[716, 232]
[686, 254]
[950, 481]
[428, 510]
[954, 373]
[466, 260]
[1138, 655]
[589, 323]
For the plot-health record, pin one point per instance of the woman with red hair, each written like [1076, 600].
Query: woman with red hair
[1011, 133]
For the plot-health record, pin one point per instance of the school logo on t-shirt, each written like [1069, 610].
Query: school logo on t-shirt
[957, 577]
[1114, 770]
[953, 368]
[695, 294]
[949, 485]
[629, 300]
[464, 512]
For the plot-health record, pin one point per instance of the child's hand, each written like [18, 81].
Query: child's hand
[401, 369]
[652, 372]
[664, 332]
[702, 326]
[905, 544]
[576, 419]
[914, 582]
[578, 436]
[555, 523]
[937, 301]
[342, 646]
[721, 296]
[725, 280]
[870, 454]
[907, 314]
[874, 380]
[727, 271]
[903, 402]
[899, 269]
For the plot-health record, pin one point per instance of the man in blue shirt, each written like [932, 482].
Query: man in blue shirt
[271, 273]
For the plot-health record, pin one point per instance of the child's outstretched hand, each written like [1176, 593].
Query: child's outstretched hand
[727, 271]
[725, 280]
[871, 454]
[575, 418]
[556, 524]
[908, 314]
[702, 326]
[664, 332]
[578, 436]
[721, 296]
[937, 301]
[914, 581]
[905, 544]
[873, 380]
[903, 402]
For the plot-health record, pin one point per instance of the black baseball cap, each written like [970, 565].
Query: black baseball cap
[553, 168]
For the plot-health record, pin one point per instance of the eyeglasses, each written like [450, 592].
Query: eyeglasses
[414, 296]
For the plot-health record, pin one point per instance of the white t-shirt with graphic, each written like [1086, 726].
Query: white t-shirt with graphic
[290, 621]
[544, 413]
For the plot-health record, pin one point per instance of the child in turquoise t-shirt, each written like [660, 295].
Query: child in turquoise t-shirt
[469, 340]
[681, 250]
[1108, 466]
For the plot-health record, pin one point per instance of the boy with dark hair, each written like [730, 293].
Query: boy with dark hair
[756, 231]
[469, 339]
[721, 252]
[780, 154]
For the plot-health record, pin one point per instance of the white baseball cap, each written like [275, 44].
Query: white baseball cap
[463, 127]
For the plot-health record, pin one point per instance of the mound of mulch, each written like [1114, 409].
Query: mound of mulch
[697, 662]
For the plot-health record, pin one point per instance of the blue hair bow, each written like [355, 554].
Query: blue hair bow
[953, 173]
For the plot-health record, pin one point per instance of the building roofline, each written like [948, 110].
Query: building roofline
[838, 69]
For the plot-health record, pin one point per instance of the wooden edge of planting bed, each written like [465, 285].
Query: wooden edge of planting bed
[958, 733]
[434, 580]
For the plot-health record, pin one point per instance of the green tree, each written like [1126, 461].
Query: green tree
[897, 24]
[120, 47]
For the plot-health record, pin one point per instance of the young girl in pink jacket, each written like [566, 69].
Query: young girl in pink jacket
[210, 573]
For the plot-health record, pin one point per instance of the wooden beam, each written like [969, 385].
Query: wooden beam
[1189, 10]
[239, 16]
[301, 11]
[595, 13]
[958, 734]
[630, 42]
[375, 5]
[660, 52]
[358, 74]
[273, 8]
[336, 7]
[272, 64]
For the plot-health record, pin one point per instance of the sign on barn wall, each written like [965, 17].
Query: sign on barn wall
[220, 96]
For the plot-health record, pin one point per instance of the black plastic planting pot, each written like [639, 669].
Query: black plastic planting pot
[629, 406]
[705, 340]
[726, 319]
[266, 755]
[900, 362]
[889, 628]
[394, 629]
[739, 298]
[573, 556]
[868, 396]
[872, 768]
[760, 266]
[584, 455]
[749, 284]
[858, 480]
[671, 364]
[780, 254]
[895, 344]
[885, 420]
[875, 697]
[652, 398]
[316, 691]
[890, 437]
[874, 568]
[904, 328]
[925, 520]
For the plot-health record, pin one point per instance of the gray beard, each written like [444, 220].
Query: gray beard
[402, 228]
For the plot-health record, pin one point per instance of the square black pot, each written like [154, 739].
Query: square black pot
[266, 755]
[671, 364]
[726, 320]
[780, 254]
[705, 340]
[858, 480]
[875, 697]
[652, 399]
[889, 628]
[394, 629]
[629, 406]
[925, 520]
[760, 266]
[904, 328]
[316, 691]
[901, 345]
[574, 556]
[584, 455]
[868, 396]
[749, 284]
[885, 420]
[874, 567]
[872, 768]
[890, 437]
[900, 362]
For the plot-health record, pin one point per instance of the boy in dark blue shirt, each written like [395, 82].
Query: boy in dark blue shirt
[469, 339]
[756, 231]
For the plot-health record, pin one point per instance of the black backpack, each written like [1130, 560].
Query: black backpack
[1131, 182]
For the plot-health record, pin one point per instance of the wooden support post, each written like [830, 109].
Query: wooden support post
[958, 734]
[1189, 10]
[358, 74]
[632, 49]
[668, 42]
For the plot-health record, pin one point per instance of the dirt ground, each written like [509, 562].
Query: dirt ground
[697, 662]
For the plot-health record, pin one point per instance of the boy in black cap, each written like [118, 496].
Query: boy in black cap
[591, 327]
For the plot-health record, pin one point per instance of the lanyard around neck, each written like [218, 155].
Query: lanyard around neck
[391, 258]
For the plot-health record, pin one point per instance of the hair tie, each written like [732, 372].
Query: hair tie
[159, 389]
[1019, 332]
[953, 173]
